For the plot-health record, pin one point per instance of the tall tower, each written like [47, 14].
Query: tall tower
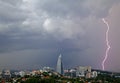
[59, 68]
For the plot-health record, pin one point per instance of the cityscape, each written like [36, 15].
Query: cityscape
[79, 74]
[59, 41]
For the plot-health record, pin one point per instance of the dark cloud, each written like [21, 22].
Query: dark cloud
[38, 31]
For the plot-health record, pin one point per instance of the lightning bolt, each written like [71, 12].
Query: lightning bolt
[107, 43]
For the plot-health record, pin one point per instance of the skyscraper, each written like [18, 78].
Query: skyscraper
[59, 68]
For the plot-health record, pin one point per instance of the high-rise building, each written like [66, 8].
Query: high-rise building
[59, 68]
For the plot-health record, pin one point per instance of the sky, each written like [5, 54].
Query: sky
[33, 33]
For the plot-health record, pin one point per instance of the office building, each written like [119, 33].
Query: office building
[59, 68]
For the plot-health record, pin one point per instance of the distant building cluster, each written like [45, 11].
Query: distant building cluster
[81, 71]
[76, 72]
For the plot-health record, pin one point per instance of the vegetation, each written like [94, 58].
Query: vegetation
[49, 77]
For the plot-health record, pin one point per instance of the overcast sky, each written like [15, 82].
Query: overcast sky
[34, 32]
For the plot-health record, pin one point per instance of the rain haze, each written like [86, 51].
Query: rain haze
[34, 32]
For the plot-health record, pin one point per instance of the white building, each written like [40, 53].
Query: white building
[59, 68]
[83, 71]
[47, 69]
[22, 73]
[94, 74]
[7, 72]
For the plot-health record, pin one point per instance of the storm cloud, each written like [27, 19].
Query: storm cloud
[35, 32]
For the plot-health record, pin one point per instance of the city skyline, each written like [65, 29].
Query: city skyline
[33, 33]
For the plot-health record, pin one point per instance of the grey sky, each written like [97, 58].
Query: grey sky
[35, 32]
